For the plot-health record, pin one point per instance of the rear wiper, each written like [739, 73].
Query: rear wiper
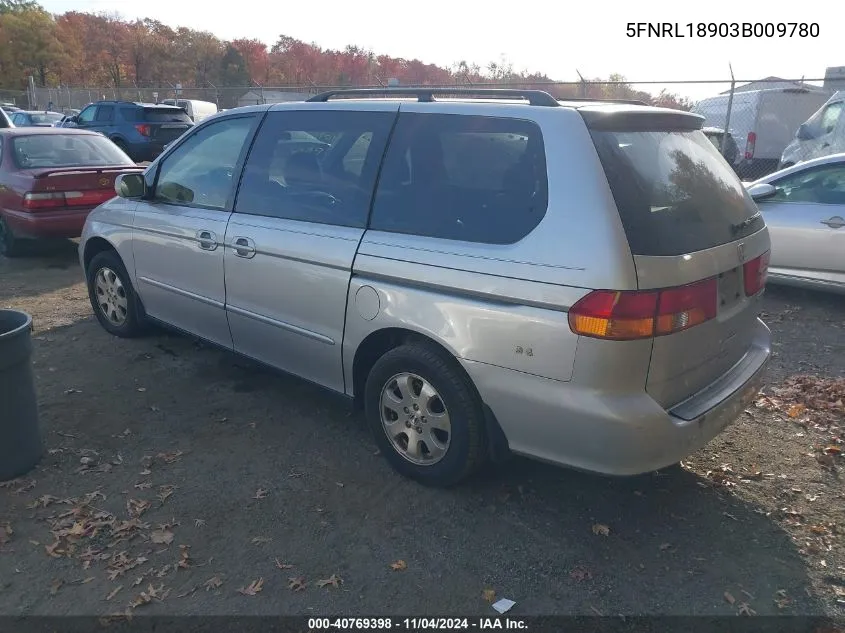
[738, 226]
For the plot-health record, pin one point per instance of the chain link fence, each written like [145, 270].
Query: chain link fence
[762, 117]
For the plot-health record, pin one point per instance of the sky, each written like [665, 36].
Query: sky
[559, 39]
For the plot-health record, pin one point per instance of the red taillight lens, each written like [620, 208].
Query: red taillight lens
[629, 314]
[143, 129]
[38, 201]
[749, 145]
[755, 273]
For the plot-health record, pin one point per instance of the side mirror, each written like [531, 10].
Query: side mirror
[761, 191]
[804, 133]
[130, 186]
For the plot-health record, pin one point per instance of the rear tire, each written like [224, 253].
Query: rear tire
[10, 246]
[425, 415]
[112, 296]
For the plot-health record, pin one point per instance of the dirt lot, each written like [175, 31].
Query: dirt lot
[181, 479]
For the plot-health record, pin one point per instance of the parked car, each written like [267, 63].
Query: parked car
[197, 110]
[762, 121]
[9, 107]
[35, 118]
[141, 130]
[5, 121]
[717, 136]
[804, 208]
[50, 179]
[574, 281]
[822, 134]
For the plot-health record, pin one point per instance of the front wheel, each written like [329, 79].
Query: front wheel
[112, 296]
[425, 415]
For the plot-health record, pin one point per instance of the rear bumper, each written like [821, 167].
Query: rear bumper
[42, 224]
[612, 433]
[142, 152]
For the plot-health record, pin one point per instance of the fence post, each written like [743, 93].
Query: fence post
[728, 115]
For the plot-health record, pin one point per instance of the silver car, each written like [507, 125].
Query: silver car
[574, 281]
[804, 208]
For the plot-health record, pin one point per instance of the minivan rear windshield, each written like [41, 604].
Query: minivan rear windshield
[674, 191]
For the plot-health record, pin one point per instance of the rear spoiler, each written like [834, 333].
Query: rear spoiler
[641, 120]
[95, 170]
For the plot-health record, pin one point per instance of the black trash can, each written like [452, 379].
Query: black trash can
[21, 446]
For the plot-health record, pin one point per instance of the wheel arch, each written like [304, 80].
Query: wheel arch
[377, 343]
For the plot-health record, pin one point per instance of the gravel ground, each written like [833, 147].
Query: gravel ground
[181, 479]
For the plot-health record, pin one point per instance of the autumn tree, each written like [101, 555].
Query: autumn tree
[30, 46]
[233, 69]
[256, 57]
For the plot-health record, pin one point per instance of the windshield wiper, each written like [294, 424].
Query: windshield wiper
[738, 226]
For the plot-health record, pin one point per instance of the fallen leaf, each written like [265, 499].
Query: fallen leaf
[144, 485]
[137, 507]
[199, 522]
[170, 456]
[6, 532]
[164, 492]
[114, 592]
[297, 584]
[599, 529]
[488, 595]
[399, 565]
[782, 600]
[184, 556]
[332, 581]
[260, 493]
[729, 598]
[213, 583]
[259, 540]
[253, 588]
[142, 389]
[795, 410]
[832, 450]
[282, 565]
[665, 546]
[56, 585]
[25, 487]
[745, 609]
[161, 537]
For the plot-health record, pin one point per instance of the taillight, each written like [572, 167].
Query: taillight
[749, 145]
[143, 129]
[754, 274]
[39, 201]
[36, 201]
[635, 314]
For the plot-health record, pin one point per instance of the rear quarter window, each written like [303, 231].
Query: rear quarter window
[674, 192]
[458, 177]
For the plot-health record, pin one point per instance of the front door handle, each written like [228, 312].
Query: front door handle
[836, 222]
[243, 247]
[207, 240]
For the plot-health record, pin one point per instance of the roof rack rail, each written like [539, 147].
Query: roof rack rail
[426, 94]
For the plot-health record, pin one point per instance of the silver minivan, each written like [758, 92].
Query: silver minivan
[822, 134]
[484, 272]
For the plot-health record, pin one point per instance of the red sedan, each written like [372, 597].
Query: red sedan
[50, 179]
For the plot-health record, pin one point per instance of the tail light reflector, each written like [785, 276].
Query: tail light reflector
[143, 129]
[635, 314]
[749, 145]
[755, 273]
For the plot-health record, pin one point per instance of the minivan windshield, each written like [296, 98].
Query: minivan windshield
[674, 191]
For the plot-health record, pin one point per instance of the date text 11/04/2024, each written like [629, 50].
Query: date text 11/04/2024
[417, 624]
[722, 29]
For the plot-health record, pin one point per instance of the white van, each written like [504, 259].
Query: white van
[197, 110]
[763, 122]
[822, 134]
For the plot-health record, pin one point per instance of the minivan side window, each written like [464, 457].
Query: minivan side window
[200, 171]
[822, 185]
[315, 166]
[457, 177]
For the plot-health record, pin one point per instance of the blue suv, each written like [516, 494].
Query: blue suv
[139, 129]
